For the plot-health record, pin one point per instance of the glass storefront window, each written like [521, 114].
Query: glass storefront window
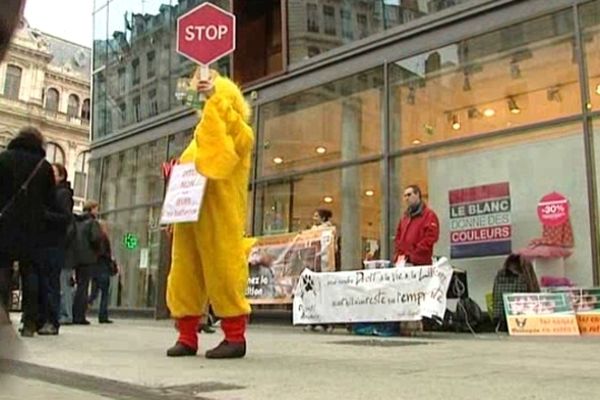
[178, 142]
[134, 177]
[590, 23]
[475, 233]
[339, 121]
[136, 285]
[317, 26]
[519, 75]
[353, 194]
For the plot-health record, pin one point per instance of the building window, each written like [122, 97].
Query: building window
[137, 109]
[329, 18]
[153, 102]
[12, 85]
[122, 80]
[135, 64]
[346, 16]
[123, 109]
[80, 174]
[85, 110]
[55, 153]
[52, 99]
[73, 109]
[313, 51]
[361, 20]
[151, 65]
[312, 18]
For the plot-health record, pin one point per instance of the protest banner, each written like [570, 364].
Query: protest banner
[377, 295]
[546, 314]
[277, 261]
[185, 192]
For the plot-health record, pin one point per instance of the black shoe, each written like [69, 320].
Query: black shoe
[106, 321]
[227, 350]
[48, 330]
[84, 322]
[25, 332]
[181, 350]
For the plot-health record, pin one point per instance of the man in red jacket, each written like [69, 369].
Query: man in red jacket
[418, 231]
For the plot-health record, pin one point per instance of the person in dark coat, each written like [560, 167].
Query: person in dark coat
[58, 220]
[9, 19]
[89, 237]
[101, 276]
[23, 215]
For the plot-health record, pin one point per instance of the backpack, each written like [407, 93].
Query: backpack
[468, 316]
[88, 237]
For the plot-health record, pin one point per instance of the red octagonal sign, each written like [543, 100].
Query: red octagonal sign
[206, 34]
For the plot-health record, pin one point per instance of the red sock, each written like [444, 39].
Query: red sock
[234, 328]
[188, 331]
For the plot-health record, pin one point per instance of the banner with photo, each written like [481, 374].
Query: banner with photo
[374, 295]
[549, 314]
[276, 263]
[585, 302]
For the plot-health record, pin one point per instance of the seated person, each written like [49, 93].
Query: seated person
[516, 276]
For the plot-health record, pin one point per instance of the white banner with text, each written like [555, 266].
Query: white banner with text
[377, 295]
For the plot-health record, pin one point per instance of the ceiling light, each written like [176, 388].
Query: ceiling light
[278, 160]
[416, 142]
[328, 199]
[369, 193]
[512, 106]
[455, 122]
[473, 113]
[321, 150]
[489, 112]
[428, 129]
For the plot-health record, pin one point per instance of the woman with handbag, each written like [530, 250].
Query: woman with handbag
[26, 192]
[106, 268]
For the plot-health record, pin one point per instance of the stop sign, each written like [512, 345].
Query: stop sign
[206, 34]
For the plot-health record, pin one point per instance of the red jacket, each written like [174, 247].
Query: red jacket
[416, 236]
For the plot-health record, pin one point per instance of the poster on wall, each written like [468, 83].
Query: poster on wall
[480, 221]
[543, 314]
[277, 261]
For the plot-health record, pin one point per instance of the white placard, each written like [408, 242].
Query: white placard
[376, 295]
[184, 195]
[144, 258]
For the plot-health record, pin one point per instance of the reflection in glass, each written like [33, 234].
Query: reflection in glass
[515, 76]
[342, 117]
[317, 26]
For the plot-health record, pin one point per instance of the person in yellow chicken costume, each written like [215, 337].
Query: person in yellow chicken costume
[210, 257]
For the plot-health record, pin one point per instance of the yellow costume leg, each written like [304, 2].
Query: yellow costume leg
[226, 278]
[186, 290]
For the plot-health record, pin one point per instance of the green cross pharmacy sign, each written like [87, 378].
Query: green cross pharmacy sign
[131, 241]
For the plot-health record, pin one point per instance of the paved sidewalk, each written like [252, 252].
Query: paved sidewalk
[126, 360]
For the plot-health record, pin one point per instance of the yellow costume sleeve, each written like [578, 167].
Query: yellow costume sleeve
[223, 138]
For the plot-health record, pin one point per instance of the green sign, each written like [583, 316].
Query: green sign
[131, 241]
